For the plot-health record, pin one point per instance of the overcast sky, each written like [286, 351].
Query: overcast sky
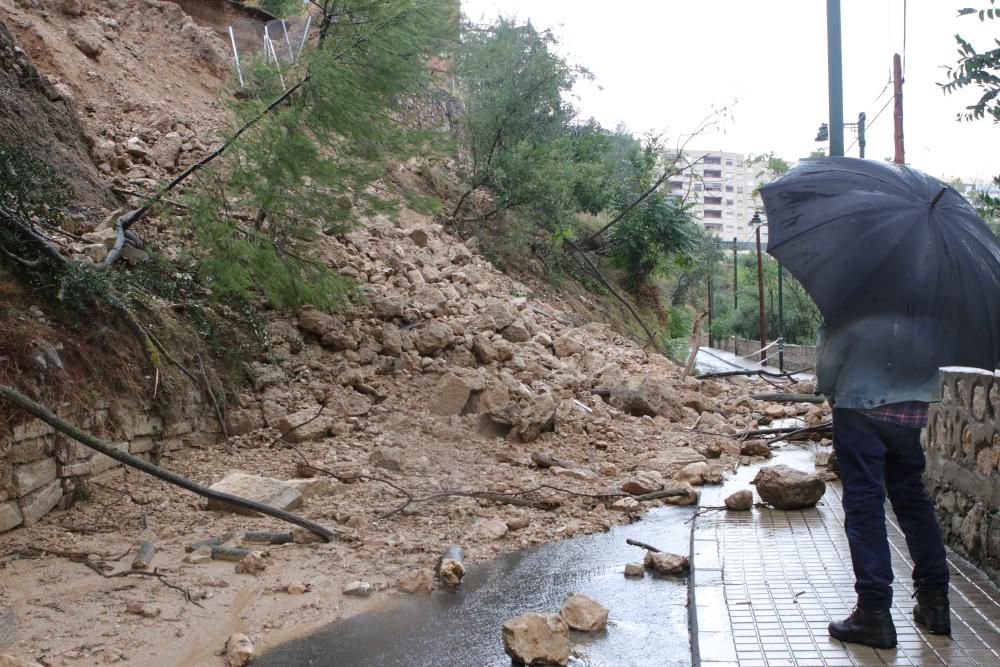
[666, 65]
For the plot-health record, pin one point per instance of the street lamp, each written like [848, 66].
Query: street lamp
[757, 223]
[823, 134]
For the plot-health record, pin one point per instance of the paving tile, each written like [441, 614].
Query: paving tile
[785, 575]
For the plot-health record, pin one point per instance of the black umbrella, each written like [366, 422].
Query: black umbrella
[905, 273]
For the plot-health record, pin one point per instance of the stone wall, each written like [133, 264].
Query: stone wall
[40, 469]
[962, 443]
[797, 357]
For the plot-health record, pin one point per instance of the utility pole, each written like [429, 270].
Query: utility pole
[760, 296]
[897, 114]
[736, 278]
[836, 78]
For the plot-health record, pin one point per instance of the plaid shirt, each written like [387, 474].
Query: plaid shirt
[912, 414]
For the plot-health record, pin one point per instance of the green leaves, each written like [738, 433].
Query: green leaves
[977, 69]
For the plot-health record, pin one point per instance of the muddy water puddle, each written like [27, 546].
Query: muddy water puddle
[647, 626]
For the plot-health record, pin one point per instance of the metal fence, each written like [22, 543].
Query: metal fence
[279, 42]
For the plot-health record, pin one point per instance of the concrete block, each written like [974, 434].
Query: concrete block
[37, 504]
[141, 445]
[31, 476]
[264, 490]
[10, 516]
[31, 429]
[31, 449]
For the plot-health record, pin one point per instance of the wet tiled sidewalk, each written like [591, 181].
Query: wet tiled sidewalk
[766, 584]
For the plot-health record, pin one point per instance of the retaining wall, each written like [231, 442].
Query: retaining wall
[41, 469]
[962, 444]
[797, 357]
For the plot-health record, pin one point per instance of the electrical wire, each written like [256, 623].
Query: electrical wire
[871, 122]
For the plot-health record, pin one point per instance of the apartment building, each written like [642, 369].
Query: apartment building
[721, 186]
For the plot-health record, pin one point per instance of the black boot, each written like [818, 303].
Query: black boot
[931, 611]
[871, 627]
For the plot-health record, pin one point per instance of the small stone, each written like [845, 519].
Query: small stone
[239, 650]
[740, 501]
[518, 523]
[296, 588]
[492, 528]
[575, 473]
[252, 563]
[537, 639]
[358, 589]
[755, 448]
[417, 581]
[199, 555]
[665, 563]
[644, 481]
[693, 473]
[142, 609]
[584, 613]
[689, 496]
[635, 570]
[625, 505]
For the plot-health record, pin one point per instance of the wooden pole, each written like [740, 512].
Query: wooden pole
[760, 299]
[897, 114]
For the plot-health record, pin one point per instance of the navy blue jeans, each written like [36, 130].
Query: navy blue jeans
[878, 458]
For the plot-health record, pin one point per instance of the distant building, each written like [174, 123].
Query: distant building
[721, 187]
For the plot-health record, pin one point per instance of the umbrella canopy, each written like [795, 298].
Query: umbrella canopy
[905, 273]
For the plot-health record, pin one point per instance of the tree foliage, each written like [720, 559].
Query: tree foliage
[657, 233]
[978, 69]
[516, 126]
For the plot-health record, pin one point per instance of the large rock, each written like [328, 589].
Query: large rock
[528, 420]
[434, 336]
[787, 488]
[304, 425]
[584, 613]
[648, 395]
[666, 563]
[693, 473]
[537, 639]
[265, 490]
[450, 395]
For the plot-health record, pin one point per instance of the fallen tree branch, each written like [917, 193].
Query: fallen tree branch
[825, 426]
[43, 413]
[724, 374]
[789, 398]
[642, 545]
[96, 567]
[695, 345]
[211, 395]
[607, 284]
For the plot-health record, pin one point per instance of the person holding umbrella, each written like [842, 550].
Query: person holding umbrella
[907, 277]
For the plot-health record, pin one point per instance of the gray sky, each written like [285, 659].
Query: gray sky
[667, 65]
